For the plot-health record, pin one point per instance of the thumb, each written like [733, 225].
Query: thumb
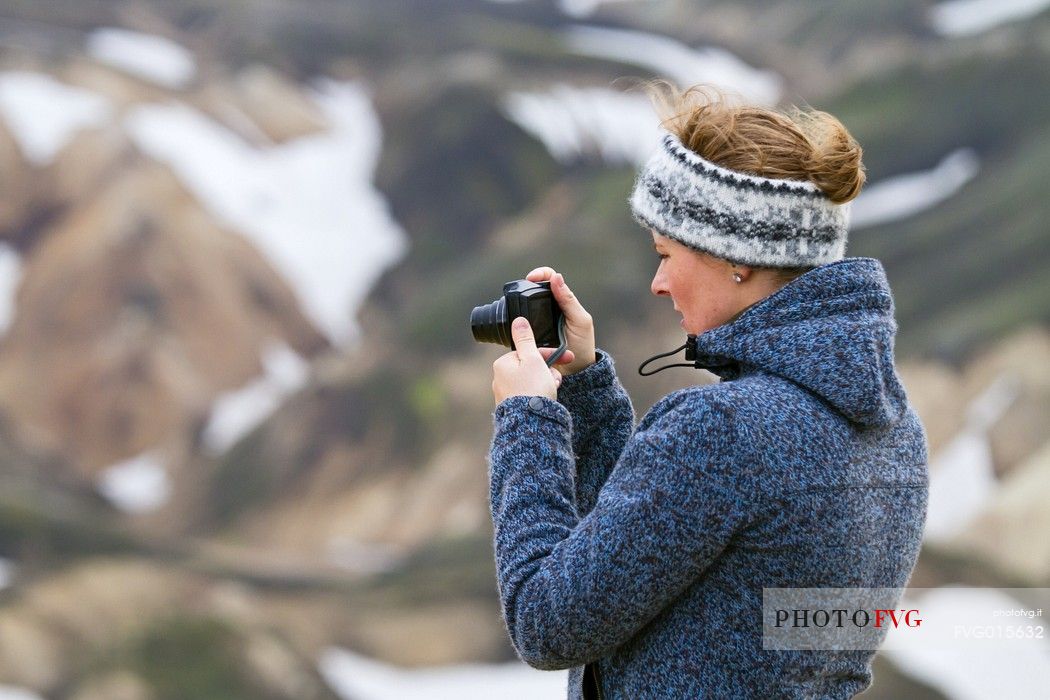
[524, 340]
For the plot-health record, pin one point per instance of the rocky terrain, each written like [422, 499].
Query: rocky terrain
[242, 419]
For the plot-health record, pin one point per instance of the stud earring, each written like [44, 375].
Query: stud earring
[737, 277]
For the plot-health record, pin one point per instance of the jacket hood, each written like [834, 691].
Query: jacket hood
[830, 330]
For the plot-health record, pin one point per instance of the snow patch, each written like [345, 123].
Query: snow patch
[10, 278]
[575, 8]
[154, 58]
[962, 474]
[137, 485]
[672, 59]
[236, 413]
[308, 204]
[573, 122]
[969, 674]
[363, 557]
[969, 17]
[7, 573]
[585, 8]
[904, 196]
[356, 677]
[43, 114]
[10, 692]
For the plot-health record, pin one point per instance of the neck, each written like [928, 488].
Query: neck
[760, 288]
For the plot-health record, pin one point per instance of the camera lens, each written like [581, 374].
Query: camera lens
[489, 323]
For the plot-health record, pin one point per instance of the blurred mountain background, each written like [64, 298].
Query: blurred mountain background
[243, 423]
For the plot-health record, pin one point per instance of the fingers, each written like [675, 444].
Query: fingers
[524, 340]
[570, 305]
[557, 376]
[568, 302]
[509, 359]
[540, 274]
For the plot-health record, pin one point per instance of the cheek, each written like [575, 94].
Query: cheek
[681, 284]
[695, 295]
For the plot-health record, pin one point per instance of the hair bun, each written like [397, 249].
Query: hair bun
[834, 164]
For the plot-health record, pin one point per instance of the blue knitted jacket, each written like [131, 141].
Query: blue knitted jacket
[635, 557]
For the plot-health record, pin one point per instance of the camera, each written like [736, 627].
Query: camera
[533, 300]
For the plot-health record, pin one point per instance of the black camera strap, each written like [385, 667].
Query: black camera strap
[690, 355]
[564, 343]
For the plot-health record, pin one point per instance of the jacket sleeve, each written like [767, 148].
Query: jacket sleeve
[571, 589]
[602, 421]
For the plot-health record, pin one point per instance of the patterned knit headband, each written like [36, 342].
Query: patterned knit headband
[750, 220]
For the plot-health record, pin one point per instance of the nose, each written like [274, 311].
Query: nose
[659, 283]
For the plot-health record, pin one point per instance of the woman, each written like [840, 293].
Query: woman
[636, 557]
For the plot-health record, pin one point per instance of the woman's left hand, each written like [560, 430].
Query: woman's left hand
[523, 372]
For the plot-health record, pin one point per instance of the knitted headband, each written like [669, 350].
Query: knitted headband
[750, 220]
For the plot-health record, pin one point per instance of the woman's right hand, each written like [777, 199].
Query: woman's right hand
[579, 326]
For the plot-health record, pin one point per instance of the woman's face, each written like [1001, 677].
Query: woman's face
[700, 285]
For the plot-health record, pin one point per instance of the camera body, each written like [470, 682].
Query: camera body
[533, 300]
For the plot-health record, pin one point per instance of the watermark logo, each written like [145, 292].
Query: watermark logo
[873, 618]
[841, 617]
